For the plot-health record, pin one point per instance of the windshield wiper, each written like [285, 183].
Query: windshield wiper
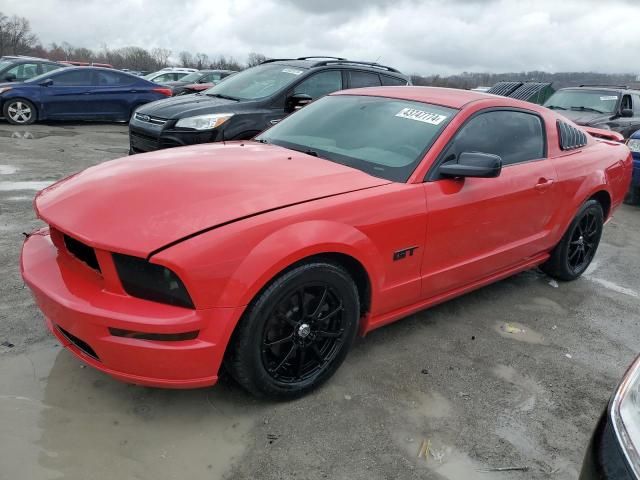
[226, 97]
[586, 109]
[306, 151]
[555, 107]
[261, 140]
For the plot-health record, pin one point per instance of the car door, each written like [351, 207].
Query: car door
[113, 94]
[479, 227]
[67, 96]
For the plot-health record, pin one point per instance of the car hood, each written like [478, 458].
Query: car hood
[139, 204]
[186, 106]
[585, 118]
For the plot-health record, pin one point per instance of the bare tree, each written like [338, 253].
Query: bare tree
[254, 59]
[161, 56]
[68, 49]
[186, 59]
[201, 60]
[16, 35]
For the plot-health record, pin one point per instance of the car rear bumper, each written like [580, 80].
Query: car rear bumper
[82, 313]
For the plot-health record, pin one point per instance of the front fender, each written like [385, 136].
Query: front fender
[227, 267]
[294, 243]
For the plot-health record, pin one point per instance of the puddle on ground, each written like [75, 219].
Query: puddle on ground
[430, 453]
[527, 391]
[518, 331]
[60, 420]
[8, 169]
[26, 185]
[26, 135]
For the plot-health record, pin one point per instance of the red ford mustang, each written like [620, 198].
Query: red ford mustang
[271, 255]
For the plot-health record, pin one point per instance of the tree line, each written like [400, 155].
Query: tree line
[16, 38]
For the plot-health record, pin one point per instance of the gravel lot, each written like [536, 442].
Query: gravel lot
[513, 375]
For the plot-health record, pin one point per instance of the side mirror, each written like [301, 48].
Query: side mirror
[626, 112]
[10, 77]
[473, 164]
[46, 83]
[297, 101]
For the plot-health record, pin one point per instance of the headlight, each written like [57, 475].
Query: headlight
[4, 89]
[625, 414]
[204, 122]
[151, 281]
[634, 144]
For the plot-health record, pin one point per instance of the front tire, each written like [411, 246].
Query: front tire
[18, 111]
[573, 255]
[296, 332]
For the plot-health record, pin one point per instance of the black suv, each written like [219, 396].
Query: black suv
[250, 101]
[19, 69]
[609, 107]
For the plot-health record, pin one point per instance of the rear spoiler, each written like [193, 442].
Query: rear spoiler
[604, 134]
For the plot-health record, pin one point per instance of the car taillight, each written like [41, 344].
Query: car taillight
[164, 91]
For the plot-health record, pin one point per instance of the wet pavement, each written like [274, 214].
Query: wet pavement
[511, 376]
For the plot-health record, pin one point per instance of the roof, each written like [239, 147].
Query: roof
[321, 61]
[447, 97]
[610, 88]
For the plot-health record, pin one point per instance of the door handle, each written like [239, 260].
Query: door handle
[133, 91]
[544, 183]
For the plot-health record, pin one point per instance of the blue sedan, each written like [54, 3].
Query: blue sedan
[81, 93]
[634, 145]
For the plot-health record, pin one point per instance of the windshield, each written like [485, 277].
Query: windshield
[257, 82]
[192, 77]
[383, 137]
[587, 100]
[5, 63]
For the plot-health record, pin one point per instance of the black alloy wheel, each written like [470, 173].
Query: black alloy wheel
[295, 334]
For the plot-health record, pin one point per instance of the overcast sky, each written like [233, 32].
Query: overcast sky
[416, 36]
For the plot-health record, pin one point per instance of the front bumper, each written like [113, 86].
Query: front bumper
[146, 137]
[80, 308]
[604, 459]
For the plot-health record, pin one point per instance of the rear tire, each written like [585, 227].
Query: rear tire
[19, 111]
[295, 334]
[573, 255]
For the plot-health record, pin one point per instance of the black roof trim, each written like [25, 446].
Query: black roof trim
[626, 87]
[333, 61]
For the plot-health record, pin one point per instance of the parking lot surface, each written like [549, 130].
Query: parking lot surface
[512, 375]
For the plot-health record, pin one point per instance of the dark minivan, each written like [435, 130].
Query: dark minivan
[249, 102]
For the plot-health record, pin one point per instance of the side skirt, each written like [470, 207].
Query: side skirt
[371, 323]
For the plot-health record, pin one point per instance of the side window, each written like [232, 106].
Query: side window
[75, 78]
[636, 105]
[24, 71]
[49, 67]
[165, 77]
[392, 81]
[113, 79]
[514, 136]
[210, 78]
[363, 79]
[320, 84]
